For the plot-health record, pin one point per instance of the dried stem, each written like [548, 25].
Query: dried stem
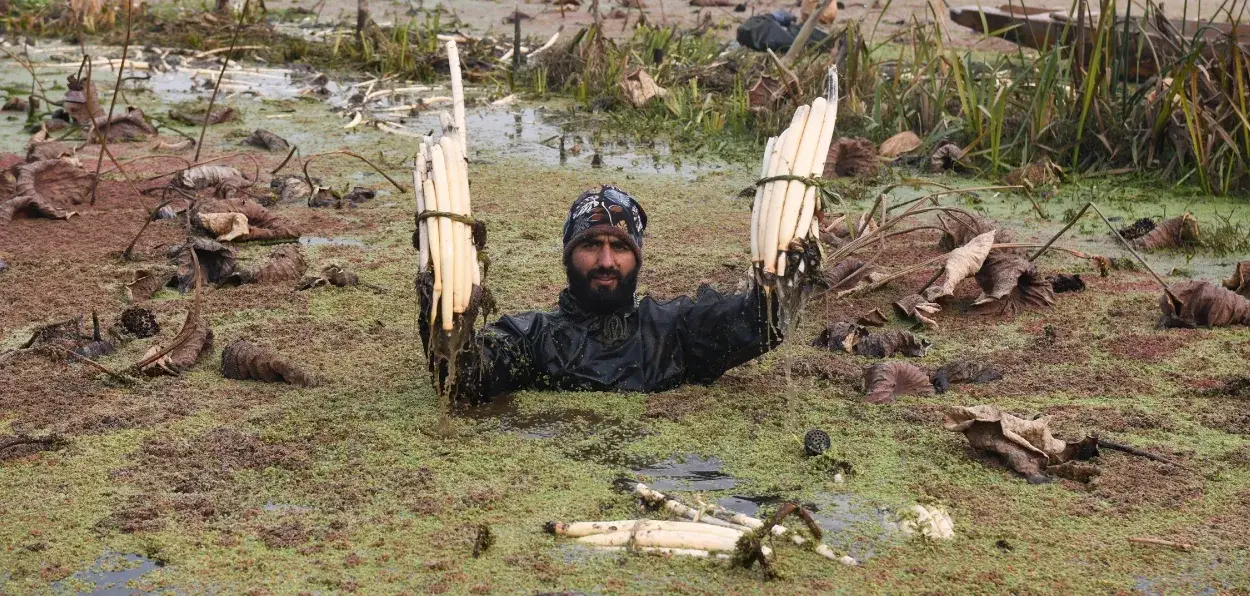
[225, 61]
[121, 69]
[47, 441]
[1140, 453]
[309, 159]
[188, 326]
[100, 367]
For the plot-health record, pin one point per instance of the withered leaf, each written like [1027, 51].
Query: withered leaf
[916, 308]
[57, 181]
[184, 356]
[81, 101]
[1010, 283]
[42, 146]
[244, 361]
[217, 262]
[15, 104]
[885, 381]
[765, 93]
[874, 318]
[34, 206]
[129, 126]
[947, 156]
[840, 335]
[961, 263]
[845, 274]
[1240, 281]
[223, 178]
[903, 142]
[148, 282]
[1025, 446]
[1204, 304]
[225, 226]
[855, 157]
[1177, 232]
[261, 223]
[263, 139]
[959, 229]
[962, 371]
[333, 275]
[639, 88]
[884, 345]
[285, 263]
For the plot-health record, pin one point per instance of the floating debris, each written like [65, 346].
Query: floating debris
[1178, 232]
[899, 144]
[1009, 283]
[263, 139]
[852, 158]
[1062, 283]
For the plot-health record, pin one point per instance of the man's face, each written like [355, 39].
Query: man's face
[603, 273]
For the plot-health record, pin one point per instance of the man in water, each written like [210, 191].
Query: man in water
[602, 337]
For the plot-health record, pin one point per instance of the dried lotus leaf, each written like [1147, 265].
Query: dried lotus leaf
[1010, 283]
[903, 142]
[1204, 304]
[245, 361]
[916, 308]
[1240, 281]
[185, 355]
[1177, 232]
[883, 382]
[961, 263]
[1025, 446]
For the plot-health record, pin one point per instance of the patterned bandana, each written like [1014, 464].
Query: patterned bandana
[609, 210]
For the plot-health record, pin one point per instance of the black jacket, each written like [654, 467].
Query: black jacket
[645, 348]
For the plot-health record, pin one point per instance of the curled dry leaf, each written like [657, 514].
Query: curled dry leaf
[885, 381]
[184, 356]
[1025, 446]
[263, 139]
[82, 102]
[15, 104]
[852, 158]
[333, 275]
[845, 274]
[244, 361]
[217, 262]
[874, 318]
[947, 156]
[148, 282]
[293, 189]
[224, 179]
[42, 146]
[33, 206]
[962, 371]
[225, 226]
[177, 146]
[961, 263]
[884, 345]
[285, 263]
[765, 93]
[639, 88]
[903, 142]
[959, 229]
[56, 182]
[359, 194]
[261, 223]
[1177, 232]
[1010, 283]
[916, 308]
[1240, 281]
[1204, 304]
[129, 126]
[840, 335]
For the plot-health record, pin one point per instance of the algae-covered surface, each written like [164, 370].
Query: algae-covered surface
[202, 484]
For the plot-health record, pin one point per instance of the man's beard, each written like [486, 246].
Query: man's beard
[602, 300]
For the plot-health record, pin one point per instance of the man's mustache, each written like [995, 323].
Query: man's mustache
[604, 273]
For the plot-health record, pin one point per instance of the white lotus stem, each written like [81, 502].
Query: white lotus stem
[468, 269]
[457, 94]
[446, 243]
[662, 539]
[678, 552]
[789, 153]
[447, 123]
[792, 205]
[397, 130]
[827, 127]
[418, 189]
[451, 153]
[759, 196]
[431, 228]
[581, 529]
[678, 508]
[774, 165]
[546, 46]
[356, 119]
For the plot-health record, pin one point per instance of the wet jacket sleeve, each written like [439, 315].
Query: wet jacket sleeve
[722, 332]
[506, 361]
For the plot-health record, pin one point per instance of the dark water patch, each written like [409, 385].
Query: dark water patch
[110, 574]
[749, 506]
[505, 414]
[855, 525]
[323, 241]
[688, 472]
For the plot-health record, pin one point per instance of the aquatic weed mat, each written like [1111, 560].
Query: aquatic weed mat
[237, 486]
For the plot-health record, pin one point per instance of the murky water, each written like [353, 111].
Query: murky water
[110, 575]
[323, 241]
[688, 472]
[851, 524]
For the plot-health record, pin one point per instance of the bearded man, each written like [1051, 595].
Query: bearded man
[601, 337]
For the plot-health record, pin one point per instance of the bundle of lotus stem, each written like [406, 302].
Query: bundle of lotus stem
[446, 234]
[784, 215]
